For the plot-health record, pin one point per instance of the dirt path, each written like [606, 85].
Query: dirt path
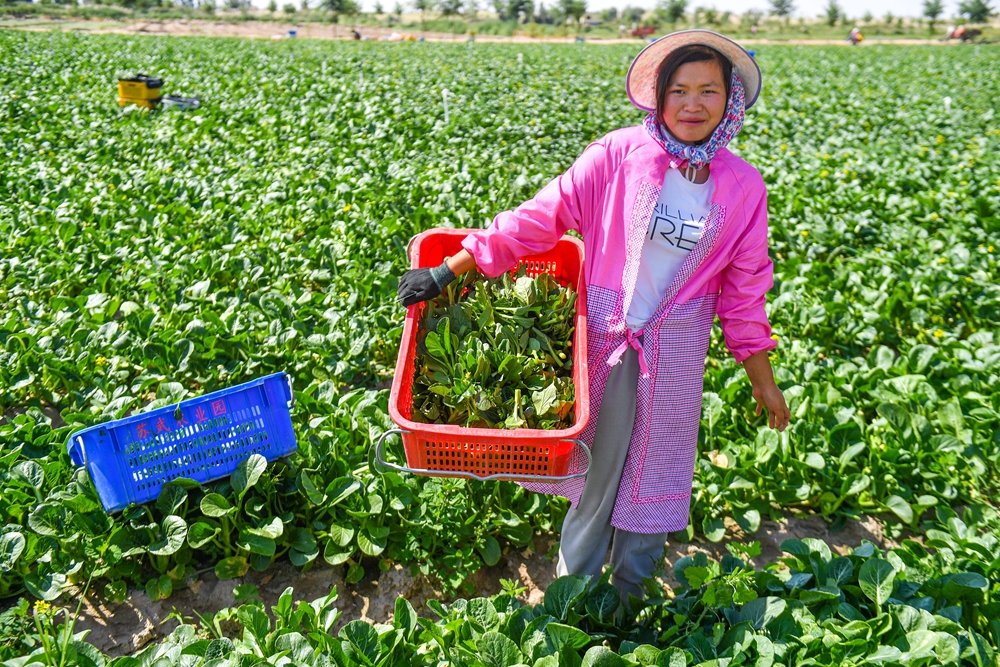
[280, 30]
[125, 628]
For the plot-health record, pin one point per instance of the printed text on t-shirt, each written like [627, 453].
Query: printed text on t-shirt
[674, 228]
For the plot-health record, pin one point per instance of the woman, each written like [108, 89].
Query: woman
[675, 230]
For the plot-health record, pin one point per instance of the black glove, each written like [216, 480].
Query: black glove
[419, 285]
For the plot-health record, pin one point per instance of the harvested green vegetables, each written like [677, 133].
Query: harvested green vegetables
[497, 353]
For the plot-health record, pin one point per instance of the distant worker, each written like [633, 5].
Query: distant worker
[753, 29]
[357, 35]
[855, 37]
[621, 31]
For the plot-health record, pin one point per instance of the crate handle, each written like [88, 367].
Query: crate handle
[380, 460]
[409, 244]
[291, 392]
[83, 450]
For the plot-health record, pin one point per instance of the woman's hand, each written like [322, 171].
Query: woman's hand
[419, 285]
[765, 391]
[777, 410]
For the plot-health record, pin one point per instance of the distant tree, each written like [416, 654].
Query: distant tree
[978, 11]
[543, 15]
[671, 11]
[782, 8]
[573, 9]
[378, 8]
[337, 7]
[932, 10]
[422, 6]
[471, 9]
[635, 14]
[751, 17]
[513, 10]
[288, 8]
[832, 12]
[208, 6]
[711, 15]
[272, 6]
[450, 7]
[889, 18]
[867, 18]
[608, 15]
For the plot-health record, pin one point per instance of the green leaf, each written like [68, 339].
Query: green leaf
[566, 636]
[171, 497]
[231, 568]
[490, 550]
[875, 579]
[360, 642]
[900, 508]
[758, 613]
[340, 489]
[11, 547]
[200, 534]
[481, 610]
[173, 532]
[257, 544]
[248, 473]
[602, 602]
[115, 592]
[495, 650]
[370, 544]
[544, 400]
[215, 505]
[562, 594]
[599, 656]
[405, 617]
[30, 473]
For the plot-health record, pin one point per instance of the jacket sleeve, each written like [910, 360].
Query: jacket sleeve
[745, 282]
[568, 202]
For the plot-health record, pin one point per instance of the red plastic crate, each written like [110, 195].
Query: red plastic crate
[447, 450]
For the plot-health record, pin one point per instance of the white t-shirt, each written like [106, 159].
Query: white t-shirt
[674, 228]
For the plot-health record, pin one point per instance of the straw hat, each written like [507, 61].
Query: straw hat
[640, 83]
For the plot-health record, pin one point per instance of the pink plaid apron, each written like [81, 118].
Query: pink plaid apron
[608, 197]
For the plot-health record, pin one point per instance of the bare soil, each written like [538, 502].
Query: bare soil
[122, 629]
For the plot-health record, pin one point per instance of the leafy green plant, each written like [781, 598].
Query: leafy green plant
[497, 354]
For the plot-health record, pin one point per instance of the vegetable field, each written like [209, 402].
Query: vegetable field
[147, 257]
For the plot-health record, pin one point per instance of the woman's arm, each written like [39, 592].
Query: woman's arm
[765, 391]
[462, 262]
[740, 307]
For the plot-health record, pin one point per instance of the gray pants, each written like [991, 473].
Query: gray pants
[587, 530]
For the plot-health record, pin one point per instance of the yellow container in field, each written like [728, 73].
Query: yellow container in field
[148, 104]
[140, 87]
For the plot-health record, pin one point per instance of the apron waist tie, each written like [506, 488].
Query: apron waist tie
[631, 340]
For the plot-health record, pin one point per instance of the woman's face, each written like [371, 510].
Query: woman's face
[695, 102]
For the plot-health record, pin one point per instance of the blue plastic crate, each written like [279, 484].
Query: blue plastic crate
[204, 438]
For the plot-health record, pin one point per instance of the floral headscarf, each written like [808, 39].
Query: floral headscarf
[698, 156]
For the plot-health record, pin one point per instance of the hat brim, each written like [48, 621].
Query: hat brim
[640, 82]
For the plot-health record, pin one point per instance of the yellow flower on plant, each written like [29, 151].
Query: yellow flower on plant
[102, 360]
[805, 233]
[989, 249]
[42, 607]
[939, 334]
[347, 208]
[824, 173]
[941, 260]
[774, 336]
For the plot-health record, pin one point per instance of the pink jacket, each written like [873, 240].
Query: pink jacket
[608, 196]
